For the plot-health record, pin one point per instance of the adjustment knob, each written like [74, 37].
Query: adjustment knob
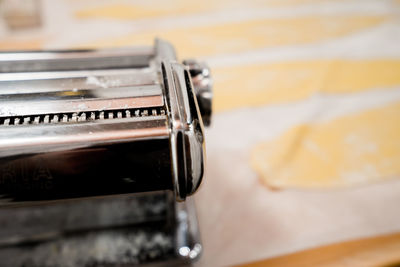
[202, 82]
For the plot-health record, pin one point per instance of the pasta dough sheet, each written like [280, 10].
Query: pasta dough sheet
[357, 149]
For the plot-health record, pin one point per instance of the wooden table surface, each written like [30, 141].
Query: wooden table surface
[373, 251]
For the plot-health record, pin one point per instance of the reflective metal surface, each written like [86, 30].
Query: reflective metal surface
[75, 60]
[58, 108]
[123, 230]
[187, 137]
[202, 82]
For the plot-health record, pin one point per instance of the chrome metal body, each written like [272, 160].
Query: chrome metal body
[95, 122]
[145, 228]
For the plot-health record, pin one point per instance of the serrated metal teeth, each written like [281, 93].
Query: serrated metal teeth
[74, 117]
[54, 119]
[81, 117]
